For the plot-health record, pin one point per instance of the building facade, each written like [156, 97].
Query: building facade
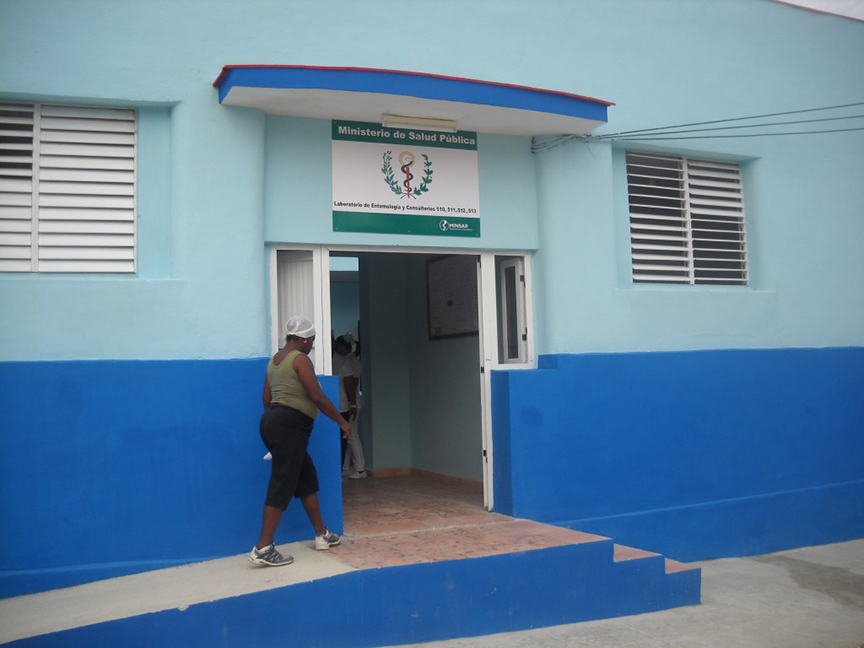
[649, 326]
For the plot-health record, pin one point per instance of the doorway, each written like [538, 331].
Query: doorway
[420, 402]
[426, 369]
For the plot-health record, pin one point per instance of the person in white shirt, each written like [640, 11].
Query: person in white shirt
[346, 365]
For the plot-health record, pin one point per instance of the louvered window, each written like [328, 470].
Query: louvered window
[686, 221]
[67, 188]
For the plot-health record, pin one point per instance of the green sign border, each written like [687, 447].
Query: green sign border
[384, 223]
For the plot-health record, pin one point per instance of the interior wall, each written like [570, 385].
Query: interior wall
[344, 307]
[421, 397]
[386, 375]
[445, 392]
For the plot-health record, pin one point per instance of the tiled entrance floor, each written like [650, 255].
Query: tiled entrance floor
[408, 519]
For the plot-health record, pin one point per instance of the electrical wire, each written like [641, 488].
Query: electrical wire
[672, 132]
[546, 143]
[720, 128]
[722, 121]
[660, 136]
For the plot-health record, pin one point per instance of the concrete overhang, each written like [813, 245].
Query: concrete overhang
[366, 95]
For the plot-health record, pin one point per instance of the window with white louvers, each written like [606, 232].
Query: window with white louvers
[67, 188]
[686, 221]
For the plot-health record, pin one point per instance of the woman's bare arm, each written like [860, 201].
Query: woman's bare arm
[306, 372]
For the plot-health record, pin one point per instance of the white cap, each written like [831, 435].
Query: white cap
[300, 327]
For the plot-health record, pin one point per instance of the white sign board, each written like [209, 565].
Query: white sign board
[403, 181]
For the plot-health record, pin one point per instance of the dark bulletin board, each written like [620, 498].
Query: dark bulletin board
[451, 293]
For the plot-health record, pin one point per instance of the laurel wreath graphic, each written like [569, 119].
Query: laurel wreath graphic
[396, 188]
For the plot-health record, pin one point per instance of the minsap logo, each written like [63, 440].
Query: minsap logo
[446, 226]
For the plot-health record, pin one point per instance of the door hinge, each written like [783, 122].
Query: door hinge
[482, 370]
[525, 336]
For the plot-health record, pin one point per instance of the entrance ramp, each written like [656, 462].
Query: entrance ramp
[440, 568]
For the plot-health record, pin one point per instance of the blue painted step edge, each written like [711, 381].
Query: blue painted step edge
[411, 604]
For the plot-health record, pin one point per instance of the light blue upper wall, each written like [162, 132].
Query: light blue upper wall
[199, 172]
[803, 194]
[582, 272]
[198, 292]
[201, 291]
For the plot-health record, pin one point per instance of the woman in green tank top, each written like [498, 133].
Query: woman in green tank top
[292, 399]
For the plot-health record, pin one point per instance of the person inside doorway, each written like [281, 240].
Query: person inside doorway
[346, 365]
[292, 400]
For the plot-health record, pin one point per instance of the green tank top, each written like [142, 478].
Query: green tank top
[286, 388]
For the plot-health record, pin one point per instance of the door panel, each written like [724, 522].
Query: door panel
[303, 288]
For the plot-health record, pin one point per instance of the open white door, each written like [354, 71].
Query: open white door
[488, 360]
[302, 287]
[506, 337]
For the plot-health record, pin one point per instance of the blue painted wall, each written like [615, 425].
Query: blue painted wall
[108, 468]
[695, 455]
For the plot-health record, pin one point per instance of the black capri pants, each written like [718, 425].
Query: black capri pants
[286, 431]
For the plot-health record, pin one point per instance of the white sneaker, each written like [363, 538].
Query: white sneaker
[357, 475]
[326, 540]
[269, 556]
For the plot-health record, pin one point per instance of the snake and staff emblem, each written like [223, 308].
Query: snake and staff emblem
[405, 187]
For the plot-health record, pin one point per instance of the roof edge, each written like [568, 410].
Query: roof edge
[227, 68]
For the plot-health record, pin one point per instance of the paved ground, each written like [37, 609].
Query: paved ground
[803, 598]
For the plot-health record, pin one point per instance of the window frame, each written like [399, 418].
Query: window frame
[77, 210]
[686, 220]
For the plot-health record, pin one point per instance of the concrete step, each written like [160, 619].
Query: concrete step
[623, 553]
[372, 591]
